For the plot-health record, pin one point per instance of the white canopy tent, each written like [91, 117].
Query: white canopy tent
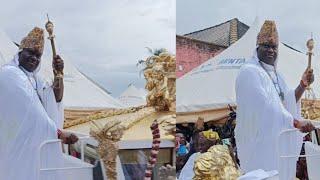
[7, 48]
[211, 86]
[144, 92]
[133, 97]
[79, 92]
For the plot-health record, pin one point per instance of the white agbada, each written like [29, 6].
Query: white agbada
[187, 172]
[25, 122]
[261, 116]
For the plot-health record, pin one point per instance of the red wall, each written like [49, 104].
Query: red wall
[191, 53]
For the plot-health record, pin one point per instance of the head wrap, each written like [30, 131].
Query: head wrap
[268, 33]
[211, 134]
[34, 40]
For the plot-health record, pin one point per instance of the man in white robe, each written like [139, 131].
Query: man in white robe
[31, 112]
[265, 107]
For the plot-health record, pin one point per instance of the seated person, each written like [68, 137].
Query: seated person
[205, 141]
[183, 145]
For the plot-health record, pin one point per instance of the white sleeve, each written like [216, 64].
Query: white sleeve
[55, 110]
[292, 105]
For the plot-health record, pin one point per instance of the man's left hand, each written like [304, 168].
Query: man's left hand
[58, 63]
[308, 77]
[304, 126]
[68, 138]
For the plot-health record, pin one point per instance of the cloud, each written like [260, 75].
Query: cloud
[126, 74]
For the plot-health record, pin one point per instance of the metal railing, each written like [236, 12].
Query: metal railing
[293, 156]
[281, 157]
[81, 140]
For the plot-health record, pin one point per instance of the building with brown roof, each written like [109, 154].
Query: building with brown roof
[194, 48]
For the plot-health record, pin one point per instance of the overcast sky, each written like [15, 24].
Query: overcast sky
[103, 38]
[295, 19]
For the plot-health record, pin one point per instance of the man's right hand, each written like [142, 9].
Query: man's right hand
[58, 64]
[68, 138]
[304, 126]
[307, 77]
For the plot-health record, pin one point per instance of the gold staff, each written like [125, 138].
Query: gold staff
[310, 46]
[309, 94]
[49, 28]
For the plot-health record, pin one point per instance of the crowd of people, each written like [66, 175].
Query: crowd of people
[193, 139]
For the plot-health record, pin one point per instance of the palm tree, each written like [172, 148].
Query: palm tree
[149, 60]
[153, 52]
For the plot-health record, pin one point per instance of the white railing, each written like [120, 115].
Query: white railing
[293, 156]
[81, 140]
[281, 157]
